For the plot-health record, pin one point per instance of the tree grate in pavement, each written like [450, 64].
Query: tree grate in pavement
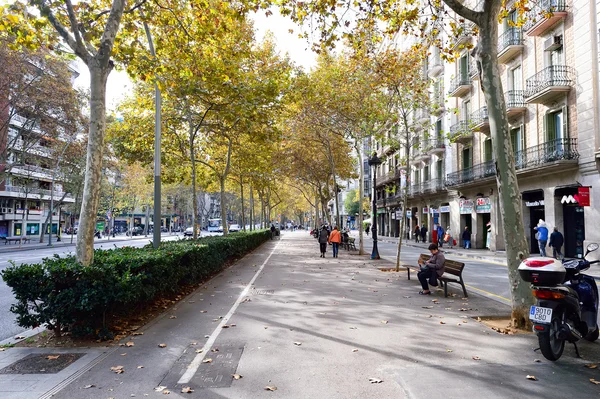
[38, 363]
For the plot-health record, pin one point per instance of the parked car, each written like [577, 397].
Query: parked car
[234, 227]
[189, 232]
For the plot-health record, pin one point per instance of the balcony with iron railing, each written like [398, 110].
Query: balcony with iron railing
[549, 83]
[550, 152]
[543, 15]
[436, 66]
[460, 85]
[387, 177]
[472, 173]
[510, 44]
[438, 102]
[463, 35]
[515, 102]
[34, 191]
[435, 146]
[551, 155]
[480, 120]
[433, 186]
[461, 132]
[415, 189]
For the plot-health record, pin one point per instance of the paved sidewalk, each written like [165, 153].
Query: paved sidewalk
[321, 328]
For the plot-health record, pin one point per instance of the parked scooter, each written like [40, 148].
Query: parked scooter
[567, 302]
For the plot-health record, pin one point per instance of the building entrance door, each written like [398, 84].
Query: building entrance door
[574, 233]
[535, 214]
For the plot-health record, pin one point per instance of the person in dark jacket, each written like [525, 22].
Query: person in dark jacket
[466, 236]
[423, 233]
[323, 239]
[556, 242]
[435, 264]
[440, 235]
[417, 233]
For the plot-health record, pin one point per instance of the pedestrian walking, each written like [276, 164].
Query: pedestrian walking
[424, 233]
[466, 237]
[448, 239]
[432, 269]
[556, 242]
[367, 229]
[323, 239]
[335, 238]
[272, 231]
[440, 235]
[541, 236]
[417, 233]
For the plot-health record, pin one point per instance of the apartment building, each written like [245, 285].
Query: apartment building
[26, 187]
[550, 76]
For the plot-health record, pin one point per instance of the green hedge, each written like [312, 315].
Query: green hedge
[59, 293]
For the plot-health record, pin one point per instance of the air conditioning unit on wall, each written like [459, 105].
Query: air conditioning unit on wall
[553, 43]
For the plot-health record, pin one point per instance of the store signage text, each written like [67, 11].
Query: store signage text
[583, 196]
[408, 214]
[534, 203]
[484, 205]
[425, 210]
[445, 209]
[568, 199]
[465, 206]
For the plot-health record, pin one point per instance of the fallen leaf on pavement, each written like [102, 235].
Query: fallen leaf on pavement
[162, 345]
[448, 350]
[353, 328]
[593, 381]
[354, 350]
[123, 354]
[537, 361]
[591, 366]
[532, 377]
[130, 344]
[199, 350]
[186, 390]
[203, 311]
[140, 367]
[173, 317]
[2, 349]
[209, 360]
[166, 392]
[406, 296]
[236, 376]
[225, 326]
[89, 386]
[465, 321]
[51, 357]
[117, 369]
[160, 388]
[214, 350]
[384, 321]
[427, 307]
[374, 380]
[442, 322]
[476, 358]
[447, 308]
[270, 388]
[434, 301]
[207, 336]
[297, 343]
[19, 337]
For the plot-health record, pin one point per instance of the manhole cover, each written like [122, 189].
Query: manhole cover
[37, 363]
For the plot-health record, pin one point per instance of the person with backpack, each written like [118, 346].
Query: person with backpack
[424, 233]
[556, 242]
[323, 240]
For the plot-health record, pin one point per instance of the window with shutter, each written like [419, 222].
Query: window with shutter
[487, 150]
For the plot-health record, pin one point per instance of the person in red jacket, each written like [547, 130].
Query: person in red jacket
[335, 238]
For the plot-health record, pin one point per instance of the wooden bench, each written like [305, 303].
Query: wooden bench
[451, 268]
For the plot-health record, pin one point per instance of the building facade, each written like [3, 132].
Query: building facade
[550, 76]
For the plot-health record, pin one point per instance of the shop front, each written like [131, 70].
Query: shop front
[573, 199]
[535, 206]
[465, 209]
[483, 209]
[445, 215]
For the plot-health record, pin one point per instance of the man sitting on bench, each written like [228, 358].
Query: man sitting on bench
[435, 264]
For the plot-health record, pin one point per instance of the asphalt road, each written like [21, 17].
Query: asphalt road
[8, 328]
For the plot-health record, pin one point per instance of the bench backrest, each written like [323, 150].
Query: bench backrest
[450, 266]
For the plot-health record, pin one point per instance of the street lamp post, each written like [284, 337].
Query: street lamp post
[374, 161]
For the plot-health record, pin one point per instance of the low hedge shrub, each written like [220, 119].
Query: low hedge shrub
[61, 294]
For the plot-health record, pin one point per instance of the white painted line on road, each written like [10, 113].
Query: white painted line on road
[195, 364]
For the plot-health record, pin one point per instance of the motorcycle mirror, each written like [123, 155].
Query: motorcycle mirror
[591, 247]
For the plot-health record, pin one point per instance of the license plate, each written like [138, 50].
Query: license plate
[540, 315]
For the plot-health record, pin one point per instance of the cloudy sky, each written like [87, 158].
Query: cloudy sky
[298, 49]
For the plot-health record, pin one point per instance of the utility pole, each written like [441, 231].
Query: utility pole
[157, 134]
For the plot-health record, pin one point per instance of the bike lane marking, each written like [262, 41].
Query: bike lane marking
[195, 364]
